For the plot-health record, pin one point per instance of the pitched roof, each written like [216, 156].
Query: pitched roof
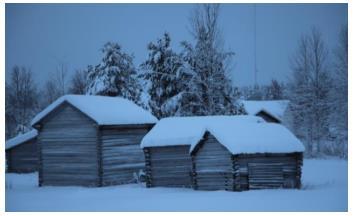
[275, 108]
[239, 134]
[21, 138]
[103, 110]
[256, 138]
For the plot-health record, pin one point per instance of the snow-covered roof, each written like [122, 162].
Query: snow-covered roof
[19, 139]
[187, 130]
[239, 134]
[275, 108]
[103, 110]
[256, 138]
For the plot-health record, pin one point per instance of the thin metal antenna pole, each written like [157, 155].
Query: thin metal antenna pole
[255, 45]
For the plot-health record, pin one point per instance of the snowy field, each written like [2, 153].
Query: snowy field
[325, 188]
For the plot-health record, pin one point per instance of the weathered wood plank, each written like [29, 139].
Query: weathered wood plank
[168, 166]
[68, 149]
[213, 166]
[121, 153]
[23, 158]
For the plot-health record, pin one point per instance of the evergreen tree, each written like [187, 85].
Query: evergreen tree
[115, 75]
[167, 76]
[209, 91]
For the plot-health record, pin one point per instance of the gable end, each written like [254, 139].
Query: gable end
[57, 110]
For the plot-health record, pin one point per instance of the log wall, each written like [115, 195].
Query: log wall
[260, 171]
[168, 166]
[122, 158]
[23, 158]
[68, 148]
[212, 166]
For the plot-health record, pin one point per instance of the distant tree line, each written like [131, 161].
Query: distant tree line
[196, 81]
[275, 90]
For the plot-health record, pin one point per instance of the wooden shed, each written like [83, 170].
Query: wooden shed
[240, 156]
[167, 149]
[272, 111]
[21, 153]
[168, 166]
[91, 140]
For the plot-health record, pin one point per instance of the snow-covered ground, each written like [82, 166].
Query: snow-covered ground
[325, 188]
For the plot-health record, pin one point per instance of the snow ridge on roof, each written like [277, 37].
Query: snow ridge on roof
[251, 138]
[275, 108]
[21, 138]
[239, 134]
[103, 110]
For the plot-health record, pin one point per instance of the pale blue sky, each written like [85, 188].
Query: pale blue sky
[41, 36]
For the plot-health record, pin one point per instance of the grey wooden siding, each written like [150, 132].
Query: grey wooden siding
[23, 158]
[68, 147]
[121, 154]
[168, 166]
[212, 169]
[258, 171]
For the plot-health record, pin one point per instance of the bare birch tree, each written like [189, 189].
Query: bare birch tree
[79, 83]
[21, 101]
[310, 87]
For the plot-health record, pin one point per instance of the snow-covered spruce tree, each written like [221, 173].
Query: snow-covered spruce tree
[209, 91]
[115, 75]
[339, 96]
[309, 94]
[167, 75]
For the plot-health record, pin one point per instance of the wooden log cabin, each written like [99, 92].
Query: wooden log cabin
[239, 157]
[167, 149]
[227, 153]
[21, 153]
[91, 140]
